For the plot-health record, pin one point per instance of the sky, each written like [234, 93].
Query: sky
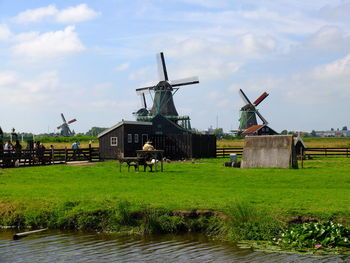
[85, 59]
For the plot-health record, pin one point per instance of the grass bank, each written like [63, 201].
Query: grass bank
[256, 203]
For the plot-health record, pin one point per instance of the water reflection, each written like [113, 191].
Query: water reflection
[54, 246]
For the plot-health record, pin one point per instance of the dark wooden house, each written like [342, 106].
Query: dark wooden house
[126, 137]
[262, 129]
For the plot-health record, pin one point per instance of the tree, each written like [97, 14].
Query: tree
[284, 132]
[94, 131]
[313, 133]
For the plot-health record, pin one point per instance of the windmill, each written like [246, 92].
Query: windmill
[64, 127]
[162, 95]
[249, 111]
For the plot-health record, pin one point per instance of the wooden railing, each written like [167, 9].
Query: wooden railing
[47, 156]
[225, 152]
[324, 151]
[327, 151]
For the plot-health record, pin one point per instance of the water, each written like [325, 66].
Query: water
[55, 246]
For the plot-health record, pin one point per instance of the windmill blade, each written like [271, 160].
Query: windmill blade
[60, 127]
[162, 72]
[261, 117]
[185, 81]
[244, 97]
[71, 121]
[63, 118]
[260, 99]
[144, 104]
[144, 90]
[69, 131]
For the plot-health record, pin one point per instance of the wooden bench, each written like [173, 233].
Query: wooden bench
[130, 161]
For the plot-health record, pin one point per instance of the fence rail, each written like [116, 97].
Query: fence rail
[9, 158]
[324, 151]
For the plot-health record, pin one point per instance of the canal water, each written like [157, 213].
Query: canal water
[55, 246]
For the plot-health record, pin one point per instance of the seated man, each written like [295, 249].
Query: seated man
[148, 146]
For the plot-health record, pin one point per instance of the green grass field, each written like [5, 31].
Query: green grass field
[321, 189]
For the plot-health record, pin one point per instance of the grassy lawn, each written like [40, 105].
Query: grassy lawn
[320, 189]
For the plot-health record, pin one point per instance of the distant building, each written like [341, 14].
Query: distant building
[337, 133]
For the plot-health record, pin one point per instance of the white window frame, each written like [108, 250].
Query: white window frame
[129, 138]
[136, 138]
[114, 141]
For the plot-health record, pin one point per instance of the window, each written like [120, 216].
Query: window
[129, 138]
[114, 141]
[136, 138]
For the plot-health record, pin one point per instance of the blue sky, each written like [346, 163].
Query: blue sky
[86, 59]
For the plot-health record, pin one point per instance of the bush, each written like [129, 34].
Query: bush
[247, 223]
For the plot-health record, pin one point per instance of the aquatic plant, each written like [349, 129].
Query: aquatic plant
[314, 235]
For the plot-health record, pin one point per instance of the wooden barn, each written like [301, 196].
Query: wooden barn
[262, 129]
[123, 139]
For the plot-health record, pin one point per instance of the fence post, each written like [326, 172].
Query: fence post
[53, 155]
[90, 153]
[65, 154]
[223, 152]
[325, 151]
[347, 152]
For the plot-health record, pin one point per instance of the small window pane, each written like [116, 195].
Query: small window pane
[114, 141]
[136, 138]
[129, 138]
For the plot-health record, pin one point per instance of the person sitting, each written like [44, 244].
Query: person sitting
[148, 146]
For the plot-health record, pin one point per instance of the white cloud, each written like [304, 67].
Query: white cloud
[341, 11]
[339, 68]
[35, 15]
[76, 14]
[5, 32]
[51, 44]
[208, 3]
[45, 82]
[7, 78]
[329, 38]
[21, 93]
[122, 67]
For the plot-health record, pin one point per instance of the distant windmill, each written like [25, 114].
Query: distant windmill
[162, 93]
[64, 127]
[249, 111]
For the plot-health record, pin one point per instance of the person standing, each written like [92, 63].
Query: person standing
[75, 147]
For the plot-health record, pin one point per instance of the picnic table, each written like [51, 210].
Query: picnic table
[149, 155]
[143, 158]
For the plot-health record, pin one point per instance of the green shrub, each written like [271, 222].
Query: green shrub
[247, 223]
[124, 215]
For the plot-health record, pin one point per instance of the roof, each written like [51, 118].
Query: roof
[299, 139]
[253, 129]
[122, 123]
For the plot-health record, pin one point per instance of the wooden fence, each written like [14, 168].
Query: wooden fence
[308, 152]
[225, 152]
[47, 156]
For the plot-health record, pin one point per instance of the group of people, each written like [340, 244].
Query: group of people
[8, 146]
